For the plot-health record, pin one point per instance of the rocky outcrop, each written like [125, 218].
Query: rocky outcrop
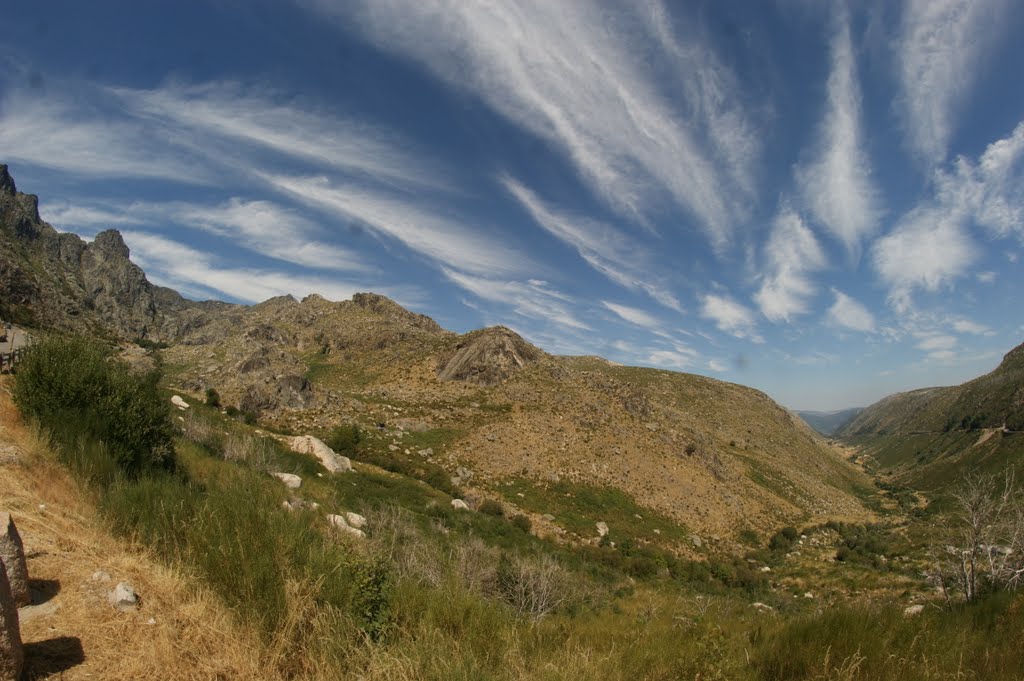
[12, 655]
[59, 280]
[307, 444]
[12, 553]
[488, 357]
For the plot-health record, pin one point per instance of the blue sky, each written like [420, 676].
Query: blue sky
[821, 200]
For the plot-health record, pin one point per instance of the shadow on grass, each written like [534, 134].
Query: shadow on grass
[44, 659]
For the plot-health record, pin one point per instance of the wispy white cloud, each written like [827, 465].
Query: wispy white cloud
[633, 315]
[730, 316]
[931, 245]
[199, 274]
[230, 111]
[986, 277]
[836, 184]
[928, 249]
[72, 135]
[717, 366]
[937, 346]
[679, 358]
[941, 45]
[849, 313]
[443, 240]
[791, 254]
[533, 299]
[262, 227]
[605, 248]
[574, 74]
[973, 328]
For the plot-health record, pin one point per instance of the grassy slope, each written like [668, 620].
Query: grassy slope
[929, 437]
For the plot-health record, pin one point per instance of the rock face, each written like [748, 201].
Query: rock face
[12, 553]
[488, 357]
[58, 280]
[12, 655]
[307, 444]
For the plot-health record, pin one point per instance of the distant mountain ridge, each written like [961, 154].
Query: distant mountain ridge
[714, 456]
[932, 436]
[828, 422]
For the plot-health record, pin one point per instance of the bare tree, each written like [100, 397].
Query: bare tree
[985, 544]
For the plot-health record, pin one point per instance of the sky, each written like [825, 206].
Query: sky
[823, 200]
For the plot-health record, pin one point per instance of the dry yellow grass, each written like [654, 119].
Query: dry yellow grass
[178, 632]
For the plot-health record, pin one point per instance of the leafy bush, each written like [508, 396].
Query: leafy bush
[522, 522]
[491, 507]
[345, 439]
[212, 398]
[78, 391]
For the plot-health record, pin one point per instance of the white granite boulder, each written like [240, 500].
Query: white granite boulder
[307, 444]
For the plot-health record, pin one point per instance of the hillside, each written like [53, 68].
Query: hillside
[828, 422]
[930, 436]
[716, 457]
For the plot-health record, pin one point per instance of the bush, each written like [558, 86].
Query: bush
[491, 507]
[77, 390]
[212, 398]
[522, 522]
[345, 439]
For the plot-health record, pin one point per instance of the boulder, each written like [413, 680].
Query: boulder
[290, 480]
[12, 655]
[178, 402]
[460, 505]
[12, 553]
[696, 541]
[123, 597]
[339, 523]
[355, 520]
[602, 529]
[913, 610]
[307, 444]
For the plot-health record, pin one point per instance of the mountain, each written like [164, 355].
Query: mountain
[930, 437]
[713, 456]
[828, 422]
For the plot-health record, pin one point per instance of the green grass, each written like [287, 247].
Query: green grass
[577, 507]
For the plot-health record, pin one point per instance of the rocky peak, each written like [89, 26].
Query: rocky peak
[110, 243]
[488, 357]
[6, 181]
[389, 309]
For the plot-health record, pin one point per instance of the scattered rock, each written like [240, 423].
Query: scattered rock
[602, 529]
[178, 402]
[307, 444]
[299, 505]
[548, 517]
[123, 597]
[338, 523]
[696, 541]
[290, 480]
[12, 553]
[429, 451]
[460, 505]
[100, 576]
[355, 520]
[412, 425]
[12, 655]
[33, 612]
[808, 594]
[762, 607]
[913, 610]
[764, 568]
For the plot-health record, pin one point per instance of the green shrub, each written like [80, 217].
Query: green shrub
[491, 507]
[345, 439]
[212, 398]
[522, 522]
[89, 400]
